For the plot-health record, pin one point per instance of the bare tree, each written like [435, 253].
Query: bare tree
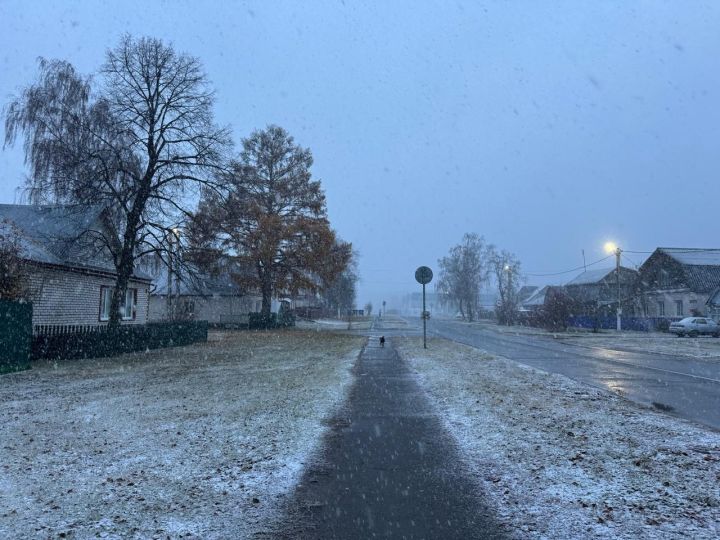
[462, 274]
[505, 268]
[138, 143]
[273, 218]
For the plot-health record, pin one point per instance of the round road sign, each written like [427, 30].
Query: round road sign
[423, 275]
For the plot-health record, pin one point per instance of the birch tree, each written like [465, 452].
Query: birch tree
[505, 268]
[462, 274]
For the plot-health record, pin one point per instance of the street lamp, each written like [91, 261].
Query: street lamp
[611, 247]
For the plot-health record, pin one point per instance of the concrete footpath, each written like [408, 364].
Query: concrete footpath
[389, 469]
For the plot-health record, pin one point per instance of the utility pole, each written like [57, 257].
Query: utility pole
[618, 251]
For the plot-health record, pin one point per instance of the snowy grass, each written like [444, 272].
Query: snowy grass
[559, 459]
[197, 442]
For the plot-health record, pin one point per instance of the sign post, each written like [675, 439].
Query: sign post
[424, 275]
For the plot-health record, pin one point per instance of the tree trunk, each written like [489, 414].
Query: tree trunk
[124, 271]
[126, 264]
[266, 290]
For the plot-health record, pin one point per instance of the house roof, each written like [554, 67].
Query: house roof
[193, 281]
[693, 256]
[701, 266]
[197, 285]
[594, 277]
[64, 235]
[537, 298]
[590, 276]
[526, 291]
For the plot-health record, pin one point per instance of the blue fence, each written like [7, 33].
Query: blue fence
[641, 324]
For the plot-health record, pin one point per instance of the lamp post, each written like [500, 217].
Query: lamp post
[611, 247]
[505, 297]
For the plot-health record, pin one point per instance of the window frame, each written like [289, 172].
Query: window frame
[105, 291]
[131, 295]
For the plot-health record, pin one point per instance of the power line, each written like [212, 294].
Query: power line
[571, 270]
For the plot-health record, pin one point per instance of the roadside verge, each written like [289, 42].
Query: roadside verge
[562, 459]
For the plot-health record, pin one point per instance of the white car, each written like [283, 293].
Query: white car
[695, 326]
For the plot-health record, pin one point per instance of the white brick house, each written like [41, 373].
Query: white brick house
[69, 273]
[197, 295]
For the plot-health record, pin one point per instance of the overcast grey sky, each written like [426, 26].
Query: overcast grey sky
[549, 127]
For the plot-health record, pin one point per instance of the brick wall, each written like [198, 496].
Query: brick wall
[66, 297]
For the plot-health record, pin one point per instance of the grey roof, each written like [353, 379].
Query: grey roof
[197, 285]
[526, 291]
[694, 256]
[63, 235]
[594, 277]
[193, 281]
[701, 266]
[590, 276]
[537, 298]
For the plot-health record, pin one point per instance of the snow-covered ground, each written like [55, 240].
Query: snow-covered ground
[196, 442]
[559, 459]
[320, 325]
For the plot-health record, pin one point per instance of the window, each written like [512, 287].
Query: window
[679, 308]
[661, 309]
[105, 298]
[128, 310]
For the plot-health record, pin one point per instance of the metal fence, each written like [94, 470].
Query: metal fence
[65, 329]
[15, 335]
[642, 324]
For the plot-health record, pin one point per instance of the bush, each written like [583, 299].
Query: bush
[662, 325]
[257, 321]
[286, 317]
[283, 319]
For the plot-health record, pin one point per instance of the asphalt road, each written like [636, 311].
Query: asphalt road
[676, 385]
[388, 469]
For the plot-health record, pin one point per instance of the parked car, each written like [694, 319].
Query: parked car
[694, 326]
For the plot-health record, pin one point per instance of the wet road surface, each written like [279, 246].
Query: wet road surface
[389, 469]
[681, 386]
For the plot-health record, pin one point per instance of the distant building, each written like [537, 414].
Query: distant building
[596, 291]
[525, 292]
[535, 301]
[191, 294]
[679, 282]
[69, 269]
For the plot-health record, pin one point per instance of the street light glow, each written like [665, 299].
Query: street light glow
[610, 247]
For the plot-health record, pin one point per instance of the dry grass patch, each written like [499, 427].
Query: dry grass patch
[200, 441]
